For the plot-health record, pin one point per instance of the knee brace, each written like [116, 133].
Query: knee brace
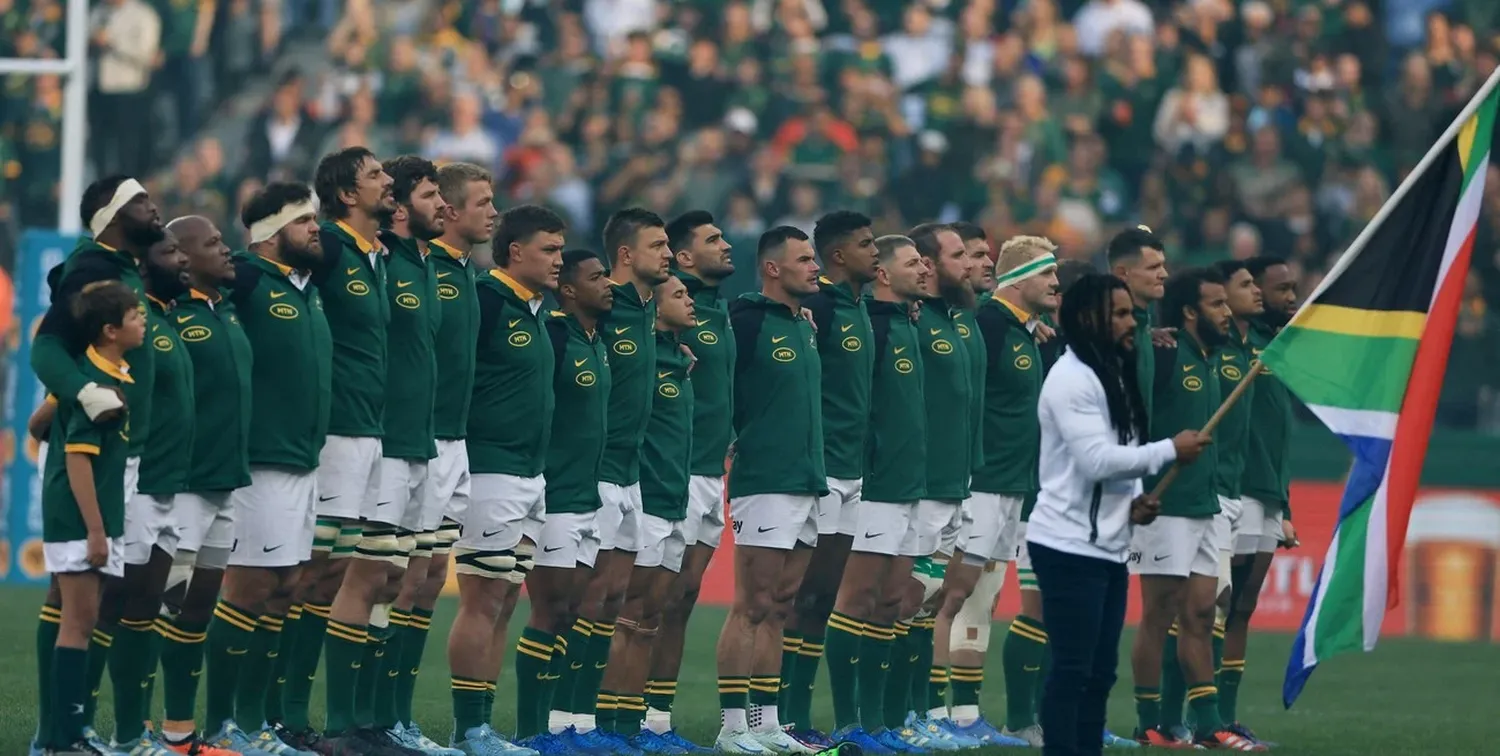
[379, 543]
[422, 548]
[971, 626]
[486, 564]
[1226, 564]
[446, 535]
[346, 541]
[929, 571]
[326, 534]
[525, 560]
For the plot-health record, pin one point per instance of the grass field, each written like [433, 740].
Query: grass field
[1410, 697]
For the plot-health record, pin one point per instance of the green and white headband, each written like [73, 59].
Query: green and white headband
[1020, 273]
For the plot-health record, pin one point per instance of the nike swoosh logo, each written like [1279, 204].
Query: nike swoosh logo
[237, 651]
[621, 330]
[512, 323]
[381, 503]
[854, 660]
[491, 533]
[402, 284]
[155, 328]
[351, 271]
[845, 327]
[765, 530]
[356, 665]
[1188, 368]
[1226, 357]
[186, 318]
[1017, 347]
[660, 376]
[277, 294]
[702, 322]
[269, 549]
[601, 666]
[196, 673]
[934, 331]
[777, 339]
[1158, 559]
[885, 665]
[899, 350]
[541, 676]
[327, 498]
[445, 274]
[550, 549]
[576, 665]
[1030, 669]
[579, 363]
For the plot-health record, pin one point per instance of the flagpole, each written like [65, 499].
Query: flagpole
[1213, 422]
[1346, 259]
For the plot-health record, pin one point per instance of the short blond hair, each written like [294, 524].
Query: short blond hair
[1019, 250]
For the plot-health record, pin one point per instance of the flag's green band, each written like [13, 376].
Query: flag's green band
[1020, 273]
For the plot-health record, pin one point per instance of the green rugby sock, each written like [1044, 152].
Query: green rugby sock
[1147, 708]
[230, 634]
[874, 672]
[1204, 698]
[919, 640]
[534, 651]
[1173, 687]
[898, 678]
[276, 691]
[388, 679]
[99, 648]
[734, 692]
[1230, 674]
[586, 685]
[369, 673]
[577, 642]
[470, 704]
[1025, 650]
[347, 655]
[660, 694]
[841, 649]
[260, 670]
[630, 714]
[302, 667]
[413, 645]
[47, 627]
[181, 665]
[606, 710]
[70, 691]
[798, 694]
[791, 642]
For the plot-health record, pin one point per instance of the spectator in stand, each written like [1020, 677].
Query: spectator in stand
[125, 37]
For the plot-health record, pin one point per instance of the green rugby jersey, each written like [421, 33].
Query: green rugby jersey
[967, 325]
[667, 453]
[777, 420]
[1267, 475]
[457, 339]
[712, 342]
[291, 377]
[581, 384]
[1145, 361]
[510, 418]
[896, 446]
[1232, 437]
[948, 392]
[843, 323]
[168, 459]
[1012, 388]
[1186, 389]
[56, 350]
[352, 282]
[108, 445]
[222, 362]
[411, 384]
[629, 331]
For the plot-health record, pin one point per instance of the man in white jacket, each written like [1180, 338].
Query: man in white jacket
[1093, 419]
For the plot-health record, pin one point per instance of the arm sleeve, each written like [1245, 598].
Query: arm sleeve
[1082, 422]
[1165, 363]
[54, 353]
[992, 326]
[746, 322]
[880, 336]
[557, 332]
[246, 278]
[490, 306]
[332, 245]
[81, 436]
[821, 306]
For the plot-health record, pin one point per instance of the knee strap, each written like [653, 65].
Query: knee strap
[486, 564]
[971, 626]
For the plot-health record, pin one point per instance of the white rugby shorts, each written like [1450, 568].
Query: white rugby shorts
[349, 479]
[775, 521]
[887, 528]
[620, 517]
[837, 509]
[1179, 546]
[705, 512]
[273, 517]
[664, 543]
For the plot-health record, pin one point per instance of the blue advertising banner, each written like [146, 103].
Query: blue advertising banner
[21, 494]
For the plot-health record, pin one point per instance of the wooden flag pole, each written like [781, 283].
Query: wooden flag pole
[1213, 422]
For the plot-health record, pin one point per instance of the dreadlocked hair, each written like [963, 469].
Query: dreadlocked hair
[1084, 320]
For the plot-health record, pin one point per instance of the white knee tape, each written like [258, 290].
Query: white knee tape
[326, 535]
[497, 565]
[1226, 559]
[182, 568]
[525, 560]
[446, 535]
[971, 627]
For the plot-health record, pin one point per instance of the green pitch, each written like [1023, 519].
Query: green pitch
[1410, 697]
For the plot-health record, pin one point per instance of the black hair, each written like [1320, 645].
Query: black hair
[406, 172]
[680, 230]
[338, 172]
[270, 199]
[968, 231]
[1085, 321]
[924, 236]
[621, 228]
[1184, 290]
[1227, 268]
[97, 195]
[100, 304]
[1257, 265]
[1069, 271]
[519, 224]
[571, 260]
[833, 227]
[774, 240]
[1127, 244]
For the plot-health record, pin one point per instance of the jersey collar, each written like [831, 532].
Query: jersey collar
[119, 371]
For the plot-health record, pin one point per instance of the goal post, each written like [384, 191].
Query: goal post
[73, 68]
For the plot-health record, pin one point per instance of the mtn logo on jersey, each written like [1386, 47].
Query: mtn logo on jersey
[783, 354]
[624, 348]
[708, 337]
[1023, 362]
[1192, 383]
[1231, 372]
[586, 378]
[447, 292]
[408, 300]
[519, 339]
[942, 346]
[669, 390]
[904, 366]
[162, 343]
[852, 344]
[195, 334]
[284, 311]
[357, 288]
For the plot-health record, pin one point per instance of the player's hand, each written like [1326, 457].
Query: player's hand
[1044, 333]
[1289, 538]
[1189, 444]
[1144, 509]
[1164, 337]
[98, 549]
[101, 403]
[807, 315]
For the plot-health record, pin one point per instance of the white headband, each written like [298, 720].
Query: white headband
[128, 190]
[1034, 267]
[267, 227]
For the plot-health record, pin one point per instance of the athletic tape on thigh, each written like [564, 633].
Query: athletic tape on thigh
[406, 542]
[326, 534]
[525, 560]
[1026, 577]
[1226, 581]
[971, 626]
[379, 543]
[425, 543]
[447, 535]
[485, 564]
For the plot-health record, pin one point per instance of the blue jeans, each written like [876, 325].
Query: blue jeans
[1083, 608]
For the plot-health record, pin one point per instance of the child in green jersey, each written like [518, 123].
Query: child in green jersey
[83, 505]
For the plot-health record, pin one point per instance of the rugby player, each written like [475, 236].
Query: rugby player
[215, 340]
[846, 247]
[1138, 258]
[666, 459]
[861, 629]
[1265, 517]
[774, 483]
[411, 290]
[510, 424]
[281, 312]
[1177, 555]
[568, 540]
[123, 222]
[702, 260]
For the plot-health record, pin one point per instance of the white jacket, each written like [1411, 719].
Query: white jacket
[1088, 479]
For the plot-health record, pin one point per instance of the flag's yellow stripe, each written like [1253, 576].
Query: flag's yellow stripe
[1466, 141]
[1357, 322]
